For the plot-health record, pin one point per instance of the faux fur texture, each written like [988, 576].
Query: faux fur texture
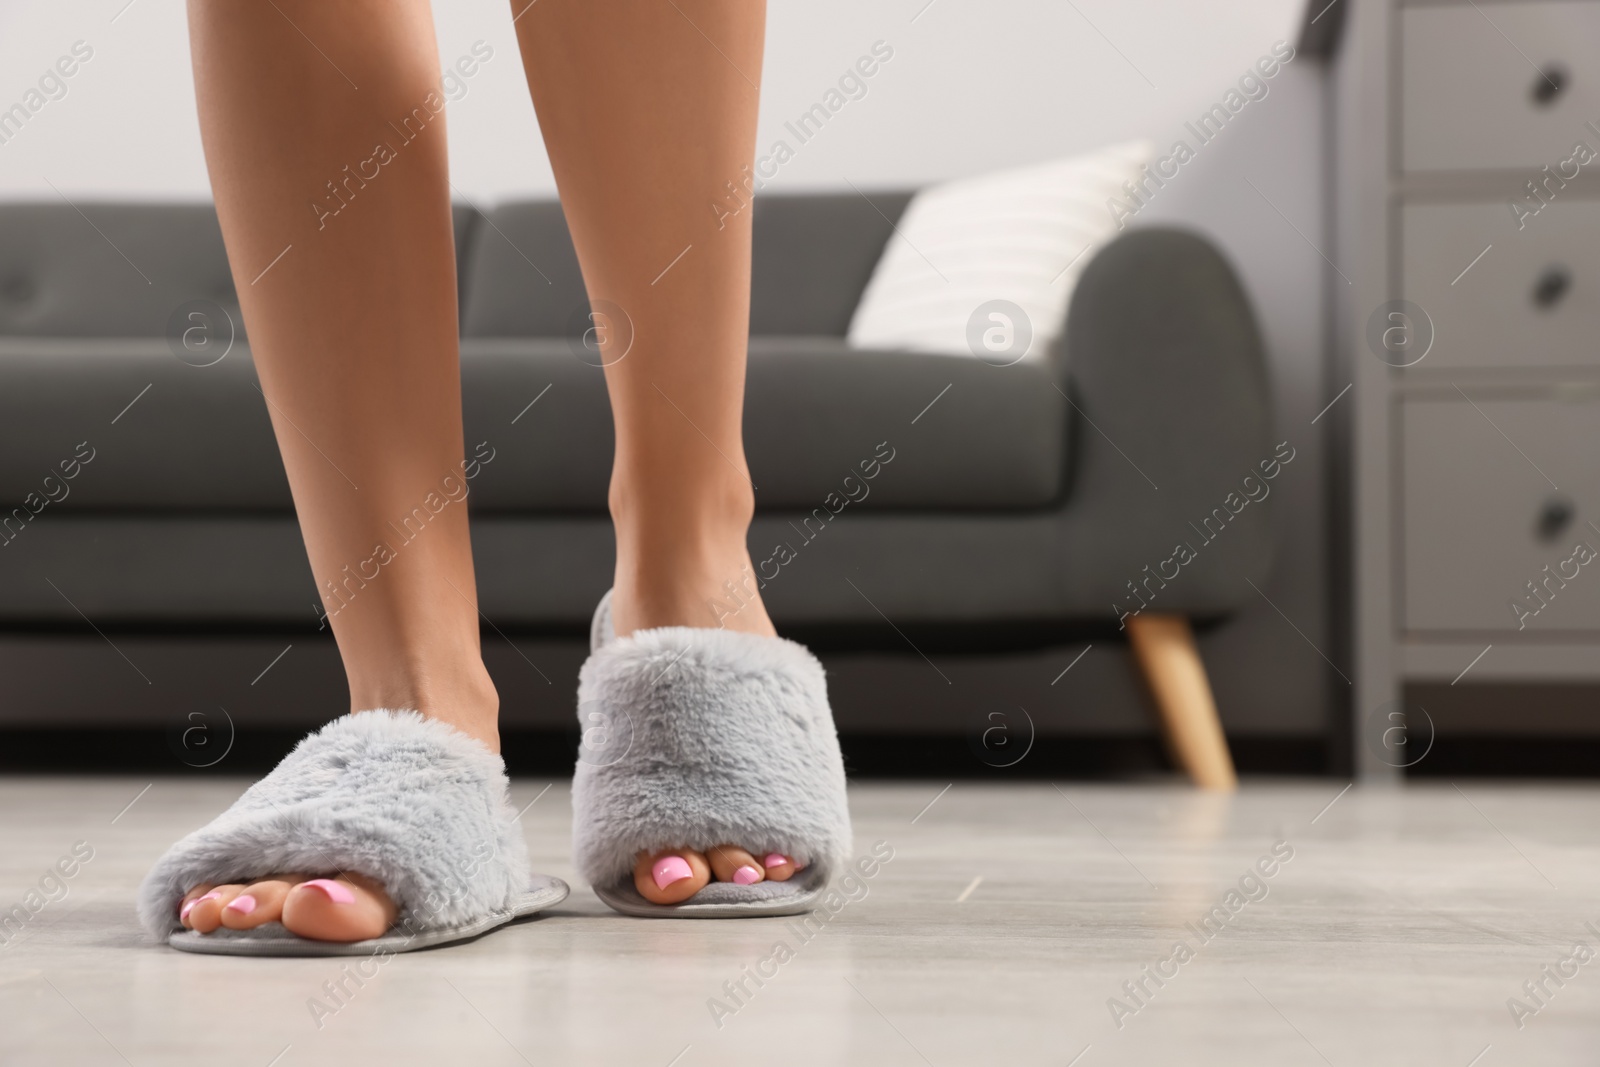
[411, 802]
[701, 737]
[600, 629]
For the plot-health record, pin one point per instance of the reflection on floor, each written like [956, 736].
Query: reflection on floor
[1015, 924]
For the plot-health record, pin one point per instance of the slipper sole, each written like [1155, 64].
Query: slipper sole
[797, 896]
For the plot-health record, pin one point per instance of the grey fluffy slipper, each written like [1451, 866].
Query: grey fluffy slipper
[411, 802]
[695, 738]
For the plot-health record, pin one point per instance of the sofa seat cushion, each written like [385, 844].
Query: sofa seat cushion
[823, 423]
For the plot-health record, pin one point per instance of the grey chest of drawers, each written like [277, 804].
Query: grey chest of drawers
[1465, 253]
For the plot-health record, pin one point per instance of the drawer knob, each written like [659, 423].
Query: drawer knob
[1552, 286]
[1555, 515]
[1551, 83]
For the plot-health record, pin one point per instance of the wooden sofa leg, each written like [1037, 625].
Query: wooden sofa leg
[1165, 649]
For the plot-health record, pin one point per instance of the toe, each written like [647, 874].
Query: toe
[204, 913]
[260, 902]
[730, 863]
[670, 876]
[186, 905]
[780, 868]
[350, 907]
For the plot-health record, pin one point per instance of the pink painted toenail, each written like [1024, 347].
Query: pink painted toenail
[337, 892]
[774, 859]
[183, 912]
[746, 875]
[244, 904]
[669, 869]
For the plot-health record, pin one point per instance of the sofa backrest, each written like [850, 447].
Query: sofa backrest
[813, 256]
[112, 269]
[121, 269]
[107, 269]
[520, 275]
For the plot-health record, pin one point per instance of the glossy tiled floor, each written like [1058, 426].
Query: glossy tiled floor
[1001, 932]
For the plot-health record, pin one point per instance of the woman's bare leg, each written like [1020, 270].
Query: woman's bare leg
[648, 111]
[354, 336]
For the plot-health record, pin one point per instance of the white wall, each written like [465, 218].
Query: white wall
[974, 84]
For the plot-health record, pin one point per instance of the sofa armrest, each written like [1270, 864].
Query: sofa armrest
[1174, 459]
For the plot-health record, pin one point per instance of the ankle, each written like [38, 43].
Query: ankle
[465, 698]
[682, 552]
[710, 506]
[687, 585]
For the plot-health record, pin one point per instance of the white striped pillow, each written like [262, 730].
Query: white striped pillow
[1018, 235]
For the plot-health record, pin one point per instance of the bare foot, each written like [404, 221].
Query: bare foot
[351, 907]
[673, 875]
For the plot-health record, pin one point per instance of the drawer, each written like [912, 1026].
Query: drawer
[1532, 300]
[1478, 521]
[1471, 101]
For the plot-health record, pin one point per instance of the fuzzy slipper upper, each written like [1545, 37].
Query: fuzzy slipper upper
[408, 801]
[699, 737]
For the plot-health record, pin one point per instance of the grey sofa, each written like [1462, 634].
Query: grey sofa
[991, 505]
